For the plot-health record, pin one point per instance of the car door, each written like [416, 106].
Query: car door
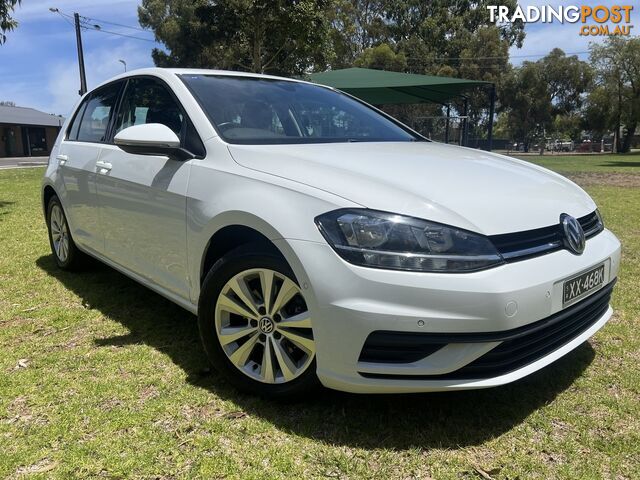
[77, 157]
[142, 198]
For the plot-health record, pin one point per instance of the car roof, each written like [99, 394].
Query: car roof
[172, 72]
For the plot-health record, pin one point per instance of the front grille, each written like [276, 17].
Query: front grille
[522, 245]
[591, 224]
[520, 346]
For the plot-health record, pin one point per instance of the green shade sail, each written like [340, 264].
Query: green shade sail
[380, 87]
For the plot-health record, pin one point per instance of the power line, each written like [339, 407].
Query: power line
[84, 24]
[507, 57]
[87, 25]
[116, 24]
[97, 28]
[545, 54]
[65, 17]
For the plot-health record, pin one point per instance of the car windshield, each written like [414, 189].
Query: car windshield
[250, 110]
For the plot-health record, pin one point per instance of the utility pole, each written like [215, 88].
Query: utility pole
[83, 77]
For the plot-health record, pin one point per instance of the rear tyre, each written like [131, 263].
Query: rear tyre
[255, 325]
[64, 249]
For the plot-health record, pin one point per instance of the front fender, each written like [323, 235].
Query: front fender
[270, 206]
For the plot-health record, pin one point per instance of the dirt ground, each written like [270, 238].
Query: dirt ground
[587, 179]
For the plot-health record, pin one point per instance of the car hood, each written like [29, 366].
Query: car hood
[468, 188]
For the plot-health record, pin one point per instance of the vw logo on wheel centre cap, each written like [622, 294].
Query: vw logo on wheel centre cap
[266, 325]
[573, 235]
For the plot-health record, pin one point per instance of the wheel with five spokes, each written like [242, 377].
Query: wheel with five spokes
[64, 249]
[255, 324]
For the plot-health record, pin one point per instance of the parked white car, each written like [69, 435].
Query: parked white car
[317, 238]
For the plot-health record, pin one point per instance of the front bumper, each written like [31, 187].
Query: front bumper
[348, 303]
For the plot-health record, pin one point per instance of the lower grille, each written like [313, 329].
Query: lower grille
[396, 347]
[520, 346]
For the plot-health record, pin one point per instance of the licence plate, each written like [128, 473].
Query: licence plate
[579, 287]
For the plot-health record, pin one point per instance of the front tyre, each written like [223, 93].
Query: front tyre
[67, 255]
[255, 325]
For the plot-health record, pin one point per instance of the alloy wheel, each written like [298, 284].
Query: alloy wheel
[264, 327]
[59, 233]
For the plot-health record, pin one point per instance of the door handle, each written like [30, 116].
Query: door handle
[103, 166]
[62, 159]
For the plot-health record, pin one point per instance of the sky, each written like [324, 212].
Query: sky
[39, 63]
[39, 69]
[542, 38]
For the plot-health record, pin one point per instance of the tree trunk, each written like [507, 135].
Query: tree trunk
[256, 53]
[257, 67]
[616, 137]
[626, 144]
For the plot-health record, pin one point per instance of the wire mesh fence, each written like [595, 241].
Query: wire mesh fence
[441, 129]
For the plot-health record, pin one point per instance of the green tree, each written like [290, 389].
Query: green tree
[568, 78]
[456, 38]
[382, 57]
[439, 37]
[568, 126]
[526, 103]
[437, 34]
[545, 96]
[285, 37]
[599, 116]
[356, 25]
[615, 99]
[7, 22]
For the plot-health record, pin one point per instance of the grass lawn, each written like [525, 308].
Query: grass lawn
[627, 163]
[100, 377]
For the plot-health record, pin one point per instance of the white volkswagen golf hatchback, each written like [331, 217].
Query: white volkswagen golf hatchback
[318, 239]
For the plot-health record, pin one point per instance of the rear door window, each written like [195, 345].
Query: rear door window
[94, 124]
[75, 125]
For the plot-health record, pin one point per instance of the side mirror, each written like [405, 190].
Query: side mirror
[151, 139]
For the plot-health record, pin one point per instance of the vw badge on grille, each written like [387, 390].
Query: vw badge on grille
[572, 233]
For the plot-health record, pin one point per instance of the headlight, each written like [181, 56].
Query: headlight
[385, 240]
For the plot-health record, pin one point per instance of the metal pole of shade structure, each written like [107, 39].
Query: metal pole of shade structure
[465, 128]
[492, 108]
[446, 128]
[83, 77]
